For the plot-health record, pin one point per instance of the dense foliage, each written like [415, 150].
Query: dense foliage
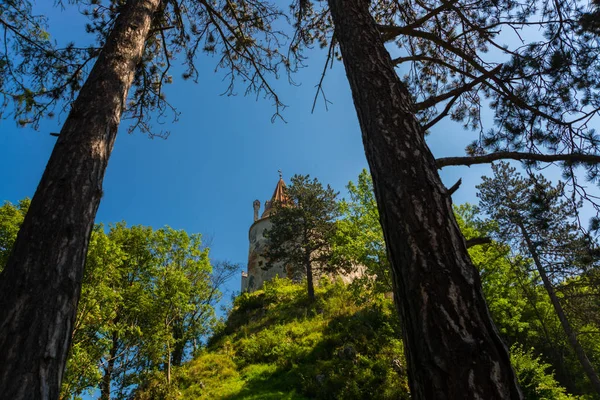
[521, 308]
[359, 236]
[536, 219]
[517, 300]
[149, 295]
[275, 344]
[147, 302]
[303, 229]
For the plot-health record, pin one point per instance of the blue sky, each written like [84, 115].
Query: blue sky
[223, 153]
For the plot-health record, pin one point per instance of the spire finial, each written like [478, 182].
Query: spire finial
[280, 174]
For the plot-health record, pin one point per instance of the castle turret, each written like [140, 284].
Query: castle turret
[256, 206]
[258, 272]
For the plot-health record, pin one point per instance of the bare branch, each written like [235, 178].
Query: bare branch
[320, 84]
[478, 241]
[454, 187]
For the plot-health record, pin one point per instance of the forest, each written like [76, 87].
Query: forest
[147, 324]
[494, 299]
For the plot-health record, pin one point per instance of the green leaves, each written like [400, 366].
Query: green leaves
[304, 227]
[11, 218]
[535, 380]
[359, 236]
[147, 300]
[536, 219]
[276, 345]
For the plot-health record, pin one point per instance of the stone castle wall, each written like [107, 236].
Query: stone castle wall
[257, 274]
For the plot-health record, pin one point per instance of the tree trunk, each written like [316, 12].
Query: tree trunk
[566, 325]
[179, 348]
[168, 366]
[41, 284]
[452, 346]
[310, 285]
[110, 366]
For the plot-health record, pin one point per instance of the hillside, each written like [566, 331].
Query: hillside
[346, 345]
[275, 345]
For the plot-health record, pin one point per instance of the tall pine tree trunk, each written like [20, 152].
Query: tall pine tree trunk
[41, 284]
[453, 348]
[564, 322]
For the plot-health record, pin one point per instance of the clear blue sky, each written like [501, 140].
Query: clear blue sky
[222, 154]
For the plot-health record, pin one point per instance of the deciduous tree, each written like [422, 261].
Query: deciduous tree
[360, 237]
[148, 299]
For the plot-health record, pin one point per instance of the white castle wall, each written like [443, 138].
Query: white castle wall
[257, 274]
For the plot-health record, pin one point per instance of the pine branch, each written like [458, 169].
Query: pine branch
[432, 101]
[390, 32]
[513, 155]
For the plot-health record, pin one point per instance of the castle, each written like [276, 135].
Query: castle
[257, 274]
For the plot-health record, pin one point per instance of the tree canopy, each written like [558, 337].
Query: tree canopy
[303, 229]
[148, 302]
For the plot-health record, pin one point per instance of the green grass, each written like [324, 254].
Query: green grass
[345, 345]
[276, 345]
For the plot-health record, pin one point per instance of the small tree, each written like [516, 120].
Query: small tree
[304, 226]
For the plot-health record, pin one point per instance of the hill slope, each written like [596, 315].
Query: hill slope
[346, 345]
[275, 345]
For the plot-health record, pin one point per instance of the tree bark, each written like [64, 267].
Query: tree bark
[41, 284]
[452, 346]
[566, 325]
[168, 366]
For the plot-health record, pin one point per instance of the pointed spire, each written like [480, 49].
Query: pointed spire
[278, 195]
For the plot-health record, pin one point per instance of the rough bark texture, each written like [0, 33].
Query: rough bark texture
[453, 348]
[564, 322]
[40, 286]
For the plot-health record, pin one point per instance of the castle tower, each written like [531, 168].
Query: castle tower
[257, 274]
